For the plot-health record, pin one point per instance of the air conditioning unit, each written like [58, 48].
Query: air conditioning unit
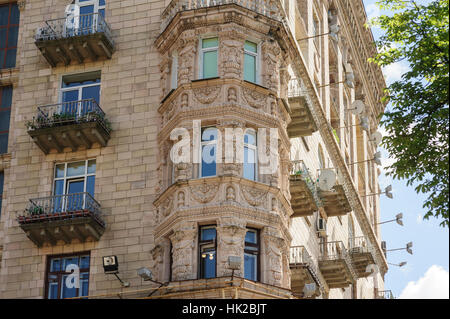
[321, 226]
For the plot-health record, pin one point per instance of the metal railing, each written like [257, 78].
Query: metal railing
[298, 255]
[301, 171]
[63, 113]
[294, 88]
[385, 294]
[73, 26]
[267, 8]
[62, 206]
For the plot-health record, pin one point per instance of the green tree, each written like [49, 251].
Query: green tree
[417, 119]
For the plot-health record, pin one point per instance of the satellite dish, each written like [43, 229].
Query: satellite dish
[376, 138]
[327, 179]
[357, 107]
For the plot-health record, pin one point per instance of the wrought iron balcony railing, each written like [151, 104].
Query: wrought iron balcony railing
[81, 25]
[301, 171]
[61, 207]
[268, 8]
[334, 250]
[69, 113]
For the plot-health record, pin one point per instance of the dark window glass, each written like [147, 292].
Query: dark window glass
[251, 255]
[58, 273]
[207, 251]
[9, 32]
[5, 114]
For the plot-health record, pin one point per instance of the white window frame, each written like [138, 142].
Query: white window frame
[95, 3]
[79, 88]
[204, 143]
[252, 147]
[65, 178]
[257, 56]
[203, 51]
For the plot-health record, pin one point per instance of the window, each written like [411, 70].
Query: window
[251, 255]
[5, 114]
[9, 32]
[207, 251]
[91, 6]
[2, 179]
[58, 274]
[250, 61]
[73, 179]
[80, 87]
[209, 150]
[208, 58]
[250, 154]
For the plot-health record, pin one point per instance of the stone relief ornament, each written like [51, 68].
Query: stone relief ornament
[183, 243]
[205, 192]
[180, 199]
[184, 100]
[164, 71]
[254, 99]
[207, 94]
[231, 193]
[186, 59]
[232, 55]
[271, 60]
[232, 96]
[157, 257]
[253, 196]
[166, 206]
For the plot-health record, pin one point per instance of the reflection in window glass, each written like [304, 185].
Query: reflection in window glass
[207, 251]
[9, 28]
[209, 56]
[251, 255]
[208, 149]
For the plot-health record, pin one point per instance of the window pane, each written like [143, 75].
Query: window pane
[55, 265]
[91, 92]
[101, 3]
[91, 166]
[81, 79]
[250, 270]
[3, 143]
[250, 68]
[208, 234]
[13, 34]
[53, 290]
[210, 64]
[208, 160]
[250, 138]
[59, 170]
[15, 14]
[70, 96]
[6, 96]
[90, 186]
[65, 291]
[3, 32]
[210, 43]
[84, 262]
[4, 14]
[209, 134]
[249, 164]
[10, 58]
[102, 12]
[4, 120]
[250, 237]
[209, 264]
[70, 261]
[250, 46]
[75, 169]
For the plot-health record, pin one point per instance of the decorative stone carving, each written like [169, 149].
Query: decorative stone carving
[231, 239]
[274, 204]
[232, 96]
[232, 52]
[207, 94]
[157, 254]
[273, 246]
[186, 57]
[205, 192]
[253, 196]
[182, 171]
[184, 100]
[165, 73]
[183, 245]
[166, 206]
[233, 169]
[254, 99]
[180, 199]
[21, 4]
[231, 193]
[271, 60]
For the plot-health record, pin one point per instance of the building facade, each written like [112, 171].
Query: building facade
[96, 98]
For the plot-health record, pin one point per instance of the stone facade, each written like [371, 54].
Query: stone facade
[153, 209]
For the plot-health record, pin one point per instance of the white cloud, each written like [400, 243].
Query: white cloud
[433, 285]
[393, 72]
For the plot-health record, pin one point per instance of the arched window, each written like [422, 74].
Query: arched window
[250, 154]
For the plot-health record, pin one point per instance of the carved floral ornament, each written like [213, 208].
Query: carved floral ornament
[205, 192]
[254, 98]
[207, 94]
[253, 196]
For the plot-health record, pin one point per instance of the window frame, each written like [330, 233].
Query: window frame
[7, 27]
[61, 273]
[2, 183]
[63, 89]
[204, 143]
[95, 3]
[66, 178]
[206, 244]
[253, 249]
[201, 56]
[257, 56]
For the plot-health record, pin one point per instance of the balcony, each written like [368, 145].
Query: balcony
[69, 124]
[62, 217]
[335, 265]
[302, 122]
[385, 294]
[267, 8]
[75, 39]
[335, 201]
[303, 191]
[303, 271]
[362, 255]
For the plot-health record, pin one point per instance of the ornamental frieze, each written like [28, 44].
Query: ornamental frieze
[253, 196]
[254, 99]
[207, 94]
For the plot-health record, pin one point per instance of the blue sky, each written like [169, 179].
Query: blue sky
[426, 272]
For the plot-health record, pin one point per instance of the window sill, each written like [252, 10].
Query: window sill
[206, 79]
